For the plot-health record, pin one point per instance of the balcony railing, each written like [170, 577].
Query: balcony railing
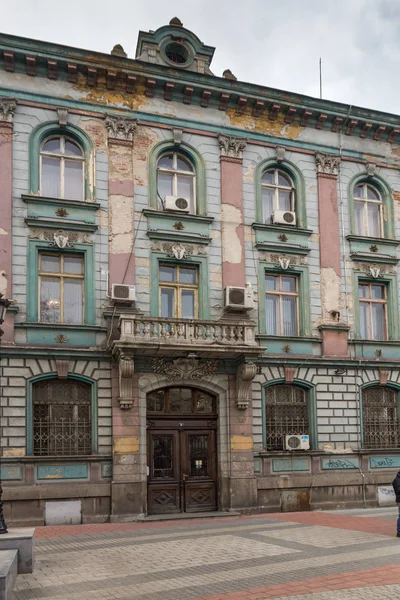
[143, 331]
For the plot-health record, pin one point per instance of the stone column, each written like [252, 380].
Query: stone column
[120, 199]
[243, 482]
[232, 228]
[7, 110]
[334, 331]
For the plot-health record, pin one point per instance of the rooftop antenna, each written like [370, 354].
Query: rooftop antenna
[320, 78]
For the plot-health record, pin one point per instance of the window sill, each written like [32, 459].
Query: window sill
[371, 249]
[282, 238]
[176, 214]
[173, 226]
[60, 202]
[297, 345]
[53, 334]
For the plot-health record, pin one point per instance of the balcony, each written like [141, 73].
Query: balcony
[149, 336]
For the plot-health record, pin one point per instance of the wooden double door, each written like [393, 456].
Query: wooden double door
[182, 466]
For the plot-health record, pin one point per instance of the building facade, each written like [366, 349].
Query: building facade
[204, 275]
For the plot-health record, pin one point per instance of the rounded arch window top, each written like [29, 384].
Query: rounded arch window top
[181, 400]
[177, 52]
[277, 193]
[62, 166]
[368, 206]
[176, 179]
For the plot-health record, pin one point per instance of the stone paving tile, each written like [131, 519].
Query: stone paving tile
[374, 593]
[323, 537]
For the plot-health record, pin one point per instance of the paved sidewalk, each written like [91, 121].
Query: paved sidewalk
[349, 555]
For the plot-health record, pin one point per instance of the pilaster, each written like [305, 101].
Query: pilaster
[233, 265]
[333, 330]
[120, 193]
[7, 110]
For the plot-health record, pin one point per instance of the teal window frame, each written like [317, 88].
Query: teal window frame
[304, 325]
[385, 192]
[53, 129]
[203, 282]
[390, 281]
[34, 249]
[199, 169]
[311, 407]
[298, 181]
[371, 384]
[29, 408]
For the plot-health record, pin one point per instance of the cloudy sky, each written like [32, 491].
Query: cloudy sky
[269, 42]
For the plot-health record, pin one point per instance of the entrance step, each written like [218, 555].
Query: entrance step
[8, 572]
[215, 514]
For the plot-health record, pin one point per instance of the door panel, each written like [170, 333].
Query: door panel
[198, 466]
[164, 472]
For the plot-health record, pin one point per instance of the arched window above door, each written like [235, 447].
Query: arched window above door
[180, 400]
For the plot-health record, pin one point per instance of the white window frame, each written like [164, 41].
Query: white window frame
[279, 293]
[276, 187]
[366, 201]
[175, 172]
[370, 301]
[62, 158]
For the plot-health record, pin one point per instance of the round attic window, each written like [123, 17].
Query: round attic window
[176, 53]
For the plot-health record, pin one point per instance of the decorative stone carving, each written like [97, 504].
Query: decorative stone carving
[280, 153]
[62, 368]
[376, 271]
[48, 235]
[383, 377]
[7, 109]
[289, 374]
[121, 129]
[62, 116]
[177, 135]
[184, 368]
[170, 248]
[61, 240]
[244, 377]
[371, 169]
[283, 261]
[61, 339]
[231, 147]
[327, 164]
[126, 370]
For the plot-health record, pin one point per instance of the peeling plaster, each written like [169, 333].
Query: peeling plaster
[3, 231]
[96, 131]
[264, 124]
[231, 218]
[121, 232]
[330, 291]
[145, 138]
[120, 163]
[3, 283]
[248, 174]
[103, 215]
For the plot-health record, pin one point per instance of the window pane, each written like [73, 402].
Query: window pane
[204, 403]
[373, 220]
[267, 203]
[187, 276]
[167, 302]
[167, 273]
[155, 401]
[372, 194]
[50, 177]
[283, 180]
[363, 291]
[288, 284]
[185, 188]
[52, 145]
[268, 177]
[359, 218]
[377, 292]
[50, 299]
[50, 264]
[73, 180]
[183, 165]
[271, 314]
[73, 301]
[72, 149]
[164, 186]
[289, 316]
[271, 283]
[180, 400]
[364, 320]
[188, 304]
[378, 319]
[165, 162]
[285, 200]
[73, 265]
[358, 191]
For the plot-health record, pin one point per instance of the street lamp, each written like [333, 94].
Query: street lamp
[4, 304]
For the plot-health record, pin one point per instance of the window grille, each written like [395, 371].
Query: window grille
[380, 418]
[286, 411]
[62, 424]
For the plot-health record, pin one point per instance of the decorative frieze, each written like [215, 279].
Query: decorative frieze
[327, 164]
[231, 147]
[244, 377]
[126, 370]
[283, 261]
[60, 238]
[375, 271]
[120, 129]
[184, 368]
[7, 109]
[178, 250]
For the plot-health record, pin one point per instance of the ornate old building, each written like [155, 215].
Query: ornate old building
[204, 276]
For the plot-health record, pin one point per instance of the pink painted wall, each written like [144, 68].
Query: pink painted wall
[6, 222]
[329, 239]
[233, 273]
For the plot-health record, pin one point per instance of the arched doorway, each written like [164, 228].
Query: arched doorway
[181, 450]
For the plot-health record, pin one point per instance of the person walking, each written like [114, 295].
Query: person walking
[396, 487]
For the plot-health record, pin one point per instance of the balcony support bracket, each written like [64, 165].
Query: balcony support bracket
[244, 376]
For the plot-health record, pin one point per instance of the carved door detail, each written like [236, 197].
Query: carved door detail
[181, 468]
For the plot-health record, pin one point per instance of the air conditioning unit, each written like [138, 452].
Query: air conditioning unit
[297, 442]
[176, 203]
[121, 292]
[238, 298]
[284, 217]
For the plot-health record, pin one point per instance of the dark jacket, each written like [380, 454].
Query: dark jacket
[396, 486]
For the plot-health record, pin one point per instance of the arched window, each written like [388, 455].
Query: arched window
[62, 418]
[367, 211]
[380, 417]
[286, 413]
[277, 193]
[176, 177]
[180, 400]
[62, 167]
